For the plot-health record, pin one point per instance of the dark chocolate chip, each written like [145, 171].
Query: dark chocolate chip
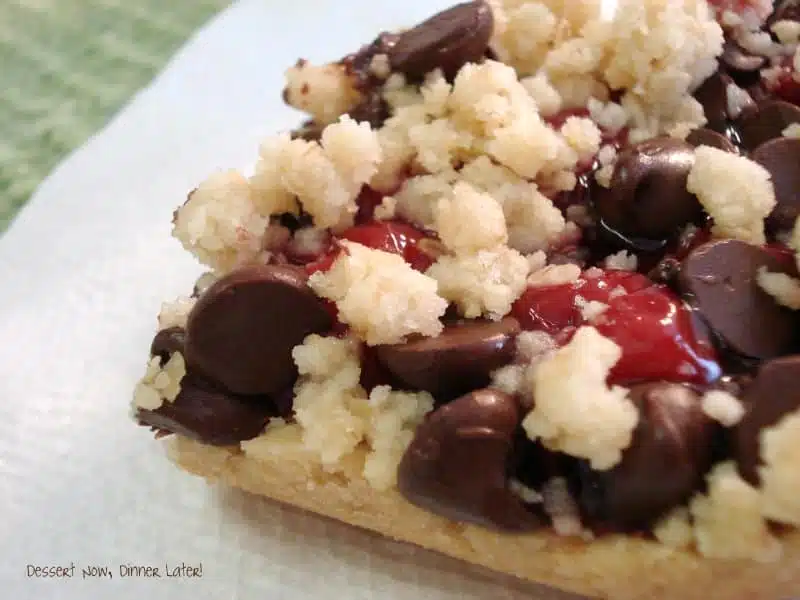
[603, 240]
[765, 121]
[448, 40]
[773, 394]
[359, 64]
[689, 239]
[372, 109]
[648, 197]
[666, 271]
[670, 452]
[785, 10]
[719, 280]
[709, 137]
[168, 341]
[456, 466]
[309, 131]
[204, 412]
[735, 385]
[713, 95]
[241, 332]
[781, 157]
[458, 360]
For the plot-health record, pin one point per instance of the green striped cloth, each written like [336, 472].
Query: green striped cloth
[67, 67]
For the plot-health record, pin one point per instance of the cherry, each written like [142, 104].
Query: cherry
[390, 236]
[652, 325]
[784, 85]
[658, 339]
[552, 308]
[324, 262]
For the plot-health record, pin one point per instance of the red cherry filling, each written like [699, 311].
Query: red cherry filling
[783, 85]
[653, 327]
[390, 236]
[658, 339]
[553, 308]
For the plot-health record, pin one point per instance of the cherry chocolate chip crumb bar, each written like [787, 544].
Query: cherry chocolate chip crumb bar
[523, 289]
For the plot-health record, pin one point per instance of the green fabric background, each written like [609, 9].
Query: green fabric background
[66, 66]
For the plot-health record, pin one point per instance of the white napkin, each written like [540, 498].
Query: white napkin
[82, 274]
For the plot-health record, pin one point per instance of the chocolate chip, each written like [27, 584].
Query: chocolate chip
[666, 271]
[713, 95]
[456, 466]
[648, 197]
[359, 64]
[372, 109]
[670, 452]
[603, 240]
[719, 279]
[764, 121]
[733, 384]
[773, 394]
[309, 130]
[241, 332]
[167, 342]
[448, 40]
[709, 137]
[204, 412]
[785, 10]
[781, 157]
[458, 360]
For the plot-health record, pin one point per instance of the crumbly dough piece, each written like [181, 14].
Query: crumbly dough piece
[735, 191]
[575, 411]
[380, 296]
[616, 567]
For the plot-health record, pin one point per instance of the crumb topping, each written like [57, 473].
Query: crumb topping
[482, 284]
[380, 296]
[160, 383]
[782, 287]
[220, 223]
[735, 191]
[723, 407]
[469, 221]
[728, 522]
[586, 52]
[554, 275]
[575, 412]
[329, 403]
[334, 414]
[675, 529]
[621, 261]
[175, 313]
[324, 92]
[393, 418]
[780, 479]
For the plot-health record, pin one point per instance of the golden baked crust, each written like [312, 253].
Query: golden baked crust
[616, 568]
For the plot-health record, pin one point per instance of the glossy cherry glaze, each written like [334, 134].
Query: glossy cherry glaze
[659, 338]
[395, 237]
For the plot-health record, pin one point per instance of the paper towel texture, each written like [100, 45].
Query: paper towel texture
[82, 274]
